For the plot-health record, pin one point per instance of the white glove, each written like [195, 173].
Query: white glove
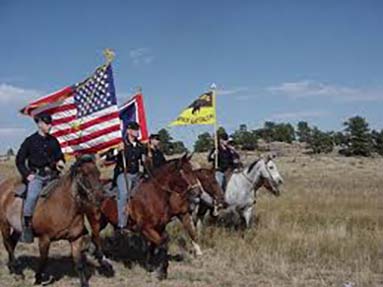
[60, 165]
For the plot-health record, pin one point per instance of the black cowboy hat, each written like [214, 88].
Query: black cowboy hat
[154, 137]
[223, 136]
[44, 117]
[133, 126]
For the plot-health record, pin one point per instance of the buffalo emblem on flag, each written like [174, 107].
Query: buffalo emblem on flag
[206, 100]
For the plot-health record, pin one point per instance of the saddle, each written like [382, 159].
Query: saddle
[22, 188]
[229, 173]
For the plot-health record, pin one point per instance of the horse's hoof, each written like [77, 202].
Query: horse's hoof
[106, 268]
[161, 275]
[19, 277]
[16, 270]
[161, 272]
[43, 279]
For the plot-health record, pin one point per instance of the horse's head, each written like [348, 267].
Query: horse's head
[211, 186]
[270, 175]
[86, 179]
[184, 170]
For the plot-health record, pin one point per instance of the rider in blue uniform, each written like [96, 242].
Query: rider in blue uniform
[38, 160]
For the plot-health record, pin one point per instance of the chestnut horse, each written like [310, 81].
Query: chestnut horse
[210, 190]
[60, 215]
[169, 192]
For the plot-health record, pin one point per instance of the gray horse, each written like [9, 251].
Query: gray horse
[242, 186]
[241, 190]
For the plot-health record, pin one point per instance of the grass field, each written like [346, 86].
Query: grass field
[326, 229]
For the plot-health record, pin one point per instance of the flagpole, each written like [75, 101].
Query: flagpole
[109, 55]
[215, 126]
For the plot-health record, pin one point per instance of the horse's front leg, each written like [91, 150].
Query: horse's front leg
[41, 277]
[79, 260]
[188, 225]
[94, 220]
[159, 254]
[246, 214]
[10, 240]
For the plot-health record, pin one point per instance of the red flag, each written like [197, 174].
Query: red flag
[134, 110]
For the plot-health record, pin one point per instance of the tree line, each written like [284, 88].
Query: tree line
[356, 138]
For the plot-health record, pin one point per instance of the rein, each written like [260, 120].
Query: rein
[247, 178]
[190, 186]
[88, 191]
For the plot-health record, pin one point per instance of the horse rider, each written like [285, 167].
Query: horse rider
[134, 157]
[225, 159]
[238, 165]
[38, 160]
[155, 154]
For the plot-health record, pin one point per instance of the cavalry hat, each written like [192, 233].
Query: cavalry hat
[46, 118]
[154, 137]
[133, 126]
[223, 136]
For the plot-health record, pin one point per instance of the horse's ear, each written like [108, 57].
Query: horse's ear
[270, 156]
[189, 157]
[184, 157]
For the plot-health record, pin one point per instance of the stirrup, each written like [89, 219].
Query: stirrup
[26, 235]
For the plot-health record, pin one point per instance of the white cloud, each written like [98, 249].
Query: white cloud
[141, 56]
[10, 132]
[300, 115]
[13, 94]
[306, 89]
[232, 91]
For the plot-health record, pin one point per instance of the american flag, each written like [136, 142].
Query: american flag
[85, 115]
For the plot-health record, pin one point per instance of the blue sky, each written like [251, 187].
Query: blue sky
[319, 61]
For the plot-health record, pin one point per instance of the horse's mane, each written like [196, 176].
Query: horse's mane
[161, 169]
[251, 166]
[68, 176]
[52, 185]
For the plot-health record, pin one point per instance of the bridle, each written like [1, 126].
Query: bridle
[189, 188]
[88, 191]
[190, 185]
[273, 183]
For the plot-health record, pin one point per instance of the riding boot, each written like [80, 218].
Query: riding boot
[27, 233]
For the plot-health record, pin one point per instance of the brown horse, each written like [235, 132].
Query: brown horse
[109, 210]
[167, 194]
[212, 197]
[60, 215]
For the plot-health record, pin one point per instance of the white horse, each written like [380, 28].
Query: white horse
[242, 186]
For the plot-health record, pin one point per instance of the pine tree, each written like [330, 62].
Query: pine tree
[377, 138]
[303, 132]
[359, 141]
[10, 152]
[246, 140]
[320, 142]
[165, 139]
[283, 133]
[204, 142]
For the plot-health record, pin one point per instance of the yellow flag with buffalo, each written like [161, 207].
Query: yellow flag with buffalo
[200, 112]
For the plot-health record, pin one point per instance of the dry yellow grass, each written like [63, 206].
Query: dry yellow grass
[325, 230]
